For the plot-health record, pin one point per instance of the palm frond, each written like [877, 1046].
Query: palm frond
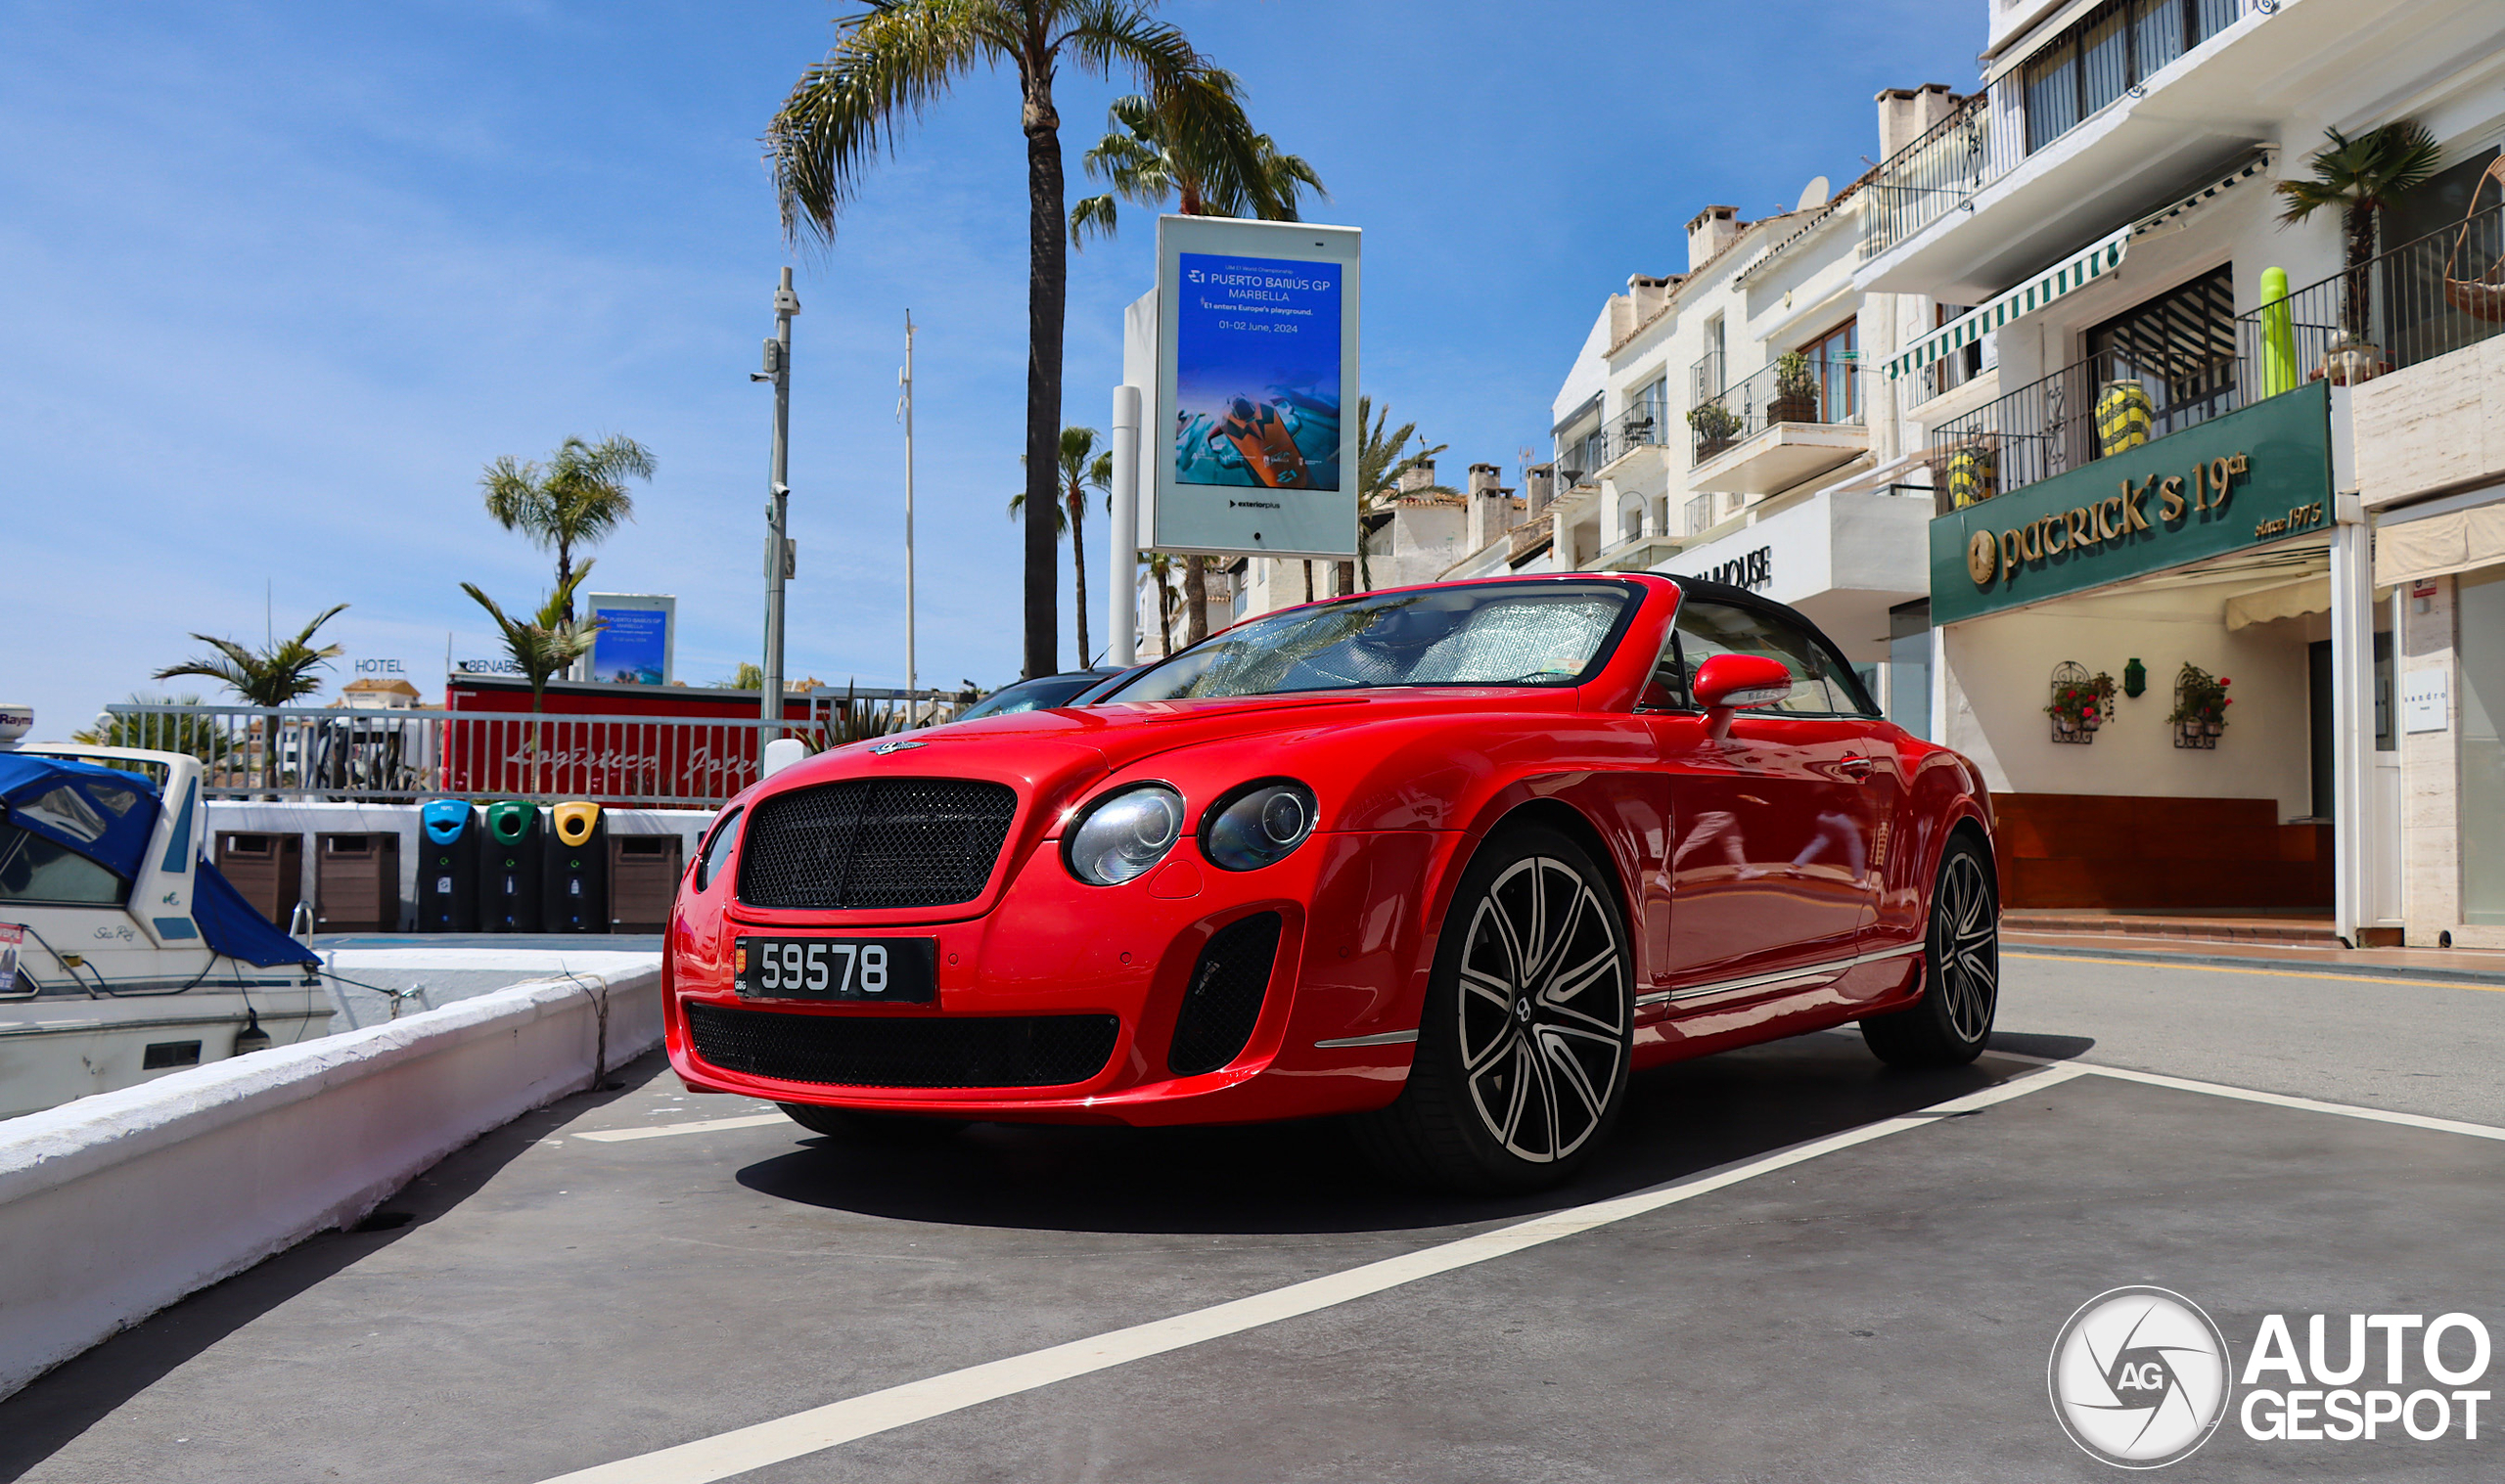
[890, 62]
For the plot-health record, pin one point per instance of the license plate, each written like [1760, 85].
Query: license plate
[901, 969]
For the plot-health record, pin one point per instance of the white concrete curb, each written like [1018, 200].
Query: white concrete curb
[117, 1205]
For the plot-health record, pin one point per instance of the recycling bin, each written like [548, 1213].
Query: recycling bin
[574, 876]
[448, 835]
[266, 868]
[510, 855]
[356, 881]
[643, 877]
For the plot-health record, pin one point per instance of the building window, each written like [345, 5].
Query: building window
[1835, 360]
[2113, 49]
[1959, 366]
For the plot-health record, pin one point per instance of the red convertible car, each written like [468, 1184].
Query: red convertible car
[1454, 859]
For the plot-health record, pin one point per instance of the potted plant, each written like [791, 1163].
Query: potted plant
[2080, 706]
[1796, 390]
[2201, 702]
[2359, 176]
[1716, 427]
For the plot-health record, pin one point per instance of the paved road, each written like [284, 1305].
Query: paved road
[1815, 1287]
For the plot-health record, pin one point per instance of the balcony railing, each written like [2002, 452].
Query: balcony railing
[1641, 426]
[2423, 300]
[1816, 390]
[2103, 56]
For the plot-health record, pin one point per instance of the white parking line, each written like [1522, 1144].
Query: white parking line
[820, 1427]
[664, 1131]
[2272, 1100]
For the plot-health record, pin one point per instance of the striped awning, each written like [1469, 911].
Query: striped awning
[2073, 273]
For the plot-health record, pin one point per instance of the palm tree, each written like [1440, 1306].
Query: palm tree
[1381, 463]
[889, 64]
[163, 732]
[1079, 470]
[2360, 177]
[270, 677]
[543, 645]
[1158, 148]
[576, 500]
[1160, 568]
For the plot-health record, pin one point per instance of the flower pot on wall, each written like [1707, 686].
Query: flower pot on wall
[2350, 361]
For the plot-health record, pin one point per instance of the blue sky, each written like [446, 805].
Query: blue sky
[277, 280]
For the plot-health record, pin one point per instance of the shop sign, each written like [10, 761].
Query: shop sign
[2252, 476]
[1753, 570]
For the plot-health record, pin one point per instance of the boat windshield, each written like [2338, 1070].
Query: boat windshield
[1479, 633]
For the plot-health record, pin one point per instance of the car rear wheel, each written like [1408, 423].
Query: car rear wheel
[870, 1128]
[1961, 988]
[1521, 1060]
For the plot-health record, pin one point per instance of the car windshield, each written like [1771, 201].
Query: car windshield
[1033, 695]
[1486, 634]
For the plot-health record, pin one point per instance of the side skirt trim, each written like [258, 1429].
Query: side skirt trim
[1386, 1038]
[1827, 971]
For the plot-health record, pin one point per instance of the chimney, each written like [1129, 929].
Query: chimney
[1647, 295]
[1419, 475]
[1621, 317]
[1489, 507]
[1709, 233]
[1905, 114]
[1539, 483]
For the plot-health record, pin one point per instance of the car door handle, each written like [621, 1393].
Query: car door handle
[1854, 765]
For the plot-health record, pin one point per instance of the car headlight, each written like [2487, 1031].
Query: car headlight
[1123, 834]
[1257, 825]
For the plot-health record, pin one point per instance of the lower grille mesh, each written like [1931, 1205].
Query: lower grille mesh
[880, 1051]
[1224, 998]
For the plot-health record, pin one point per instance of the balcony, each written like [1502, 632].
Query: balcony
[1790, 421]
[1640, 427]
[2394, 311]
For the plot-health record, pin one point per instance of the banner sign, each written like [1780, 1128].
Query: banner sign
[2257, 476]
[633, 644]
[1248, 452]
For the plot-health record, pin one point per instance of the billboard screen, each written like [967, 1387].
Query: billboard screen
[633, 644]
[1256, 340]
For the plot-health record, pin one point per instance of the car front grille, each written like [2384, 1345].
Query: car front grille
[885, 1051]
[1223, 1000]
[874, 843]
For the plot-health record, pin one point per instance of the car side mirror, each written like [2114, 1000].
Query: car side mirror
[1727, 683]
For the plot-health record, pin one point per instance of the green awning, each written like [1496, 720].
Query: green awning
[2073, 273]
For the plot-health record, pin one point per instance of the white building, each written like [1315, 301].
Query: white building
[1725, 422]
[2145, 477]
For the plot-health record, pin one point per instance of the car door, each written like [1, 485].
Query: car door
[1773, 824]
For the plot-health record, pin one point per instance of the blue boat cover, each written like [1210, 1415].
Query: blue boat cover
[107, 815]
[233, 928]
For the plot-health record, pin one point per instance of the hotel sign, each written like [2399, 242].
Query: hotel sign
[2256, 475]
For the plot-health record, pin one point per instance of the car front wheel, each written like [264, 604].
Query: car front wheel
[1961, 972]
[1521, 1060]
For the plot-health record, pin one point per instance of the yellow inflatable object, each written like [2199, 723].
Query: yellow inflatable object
[2122, 418]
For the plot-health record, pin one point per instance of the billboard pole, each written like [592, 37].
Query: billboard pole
[1122, 576]
[778, 505]
[911, 701]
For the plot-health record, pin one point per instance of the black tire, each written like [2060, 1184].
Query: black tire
[1521, 1067]
[871, 1128]
[1961, 970]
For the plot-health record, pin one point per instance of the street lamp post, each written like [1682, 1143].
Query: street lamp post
[912, 699]
[778, 550]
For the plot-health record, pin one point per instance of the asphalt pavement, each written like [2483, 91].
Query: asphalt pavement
[1793, 1264]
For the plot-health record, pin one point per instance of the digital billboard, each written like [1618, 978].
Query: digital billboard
[1256, 336]
[633, 644]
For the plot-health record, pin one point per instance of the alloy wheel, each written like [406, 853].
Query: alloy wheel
[1965, 947]
[1543, 1010]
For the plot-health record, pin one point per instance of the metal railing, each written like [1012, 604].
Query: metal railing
[342, 754]
[2392, 312]
[1817, 390]
[1643, 426]
[2098, 60]
[2397, 311]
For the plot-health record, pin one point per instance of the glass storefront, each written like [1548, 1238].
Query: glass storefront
[2480, 616]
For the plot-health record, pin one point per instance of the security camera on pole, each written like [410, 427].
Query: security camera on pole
[778, 550]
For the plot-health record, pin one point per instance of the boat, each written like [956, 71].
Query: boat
[124, 955]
